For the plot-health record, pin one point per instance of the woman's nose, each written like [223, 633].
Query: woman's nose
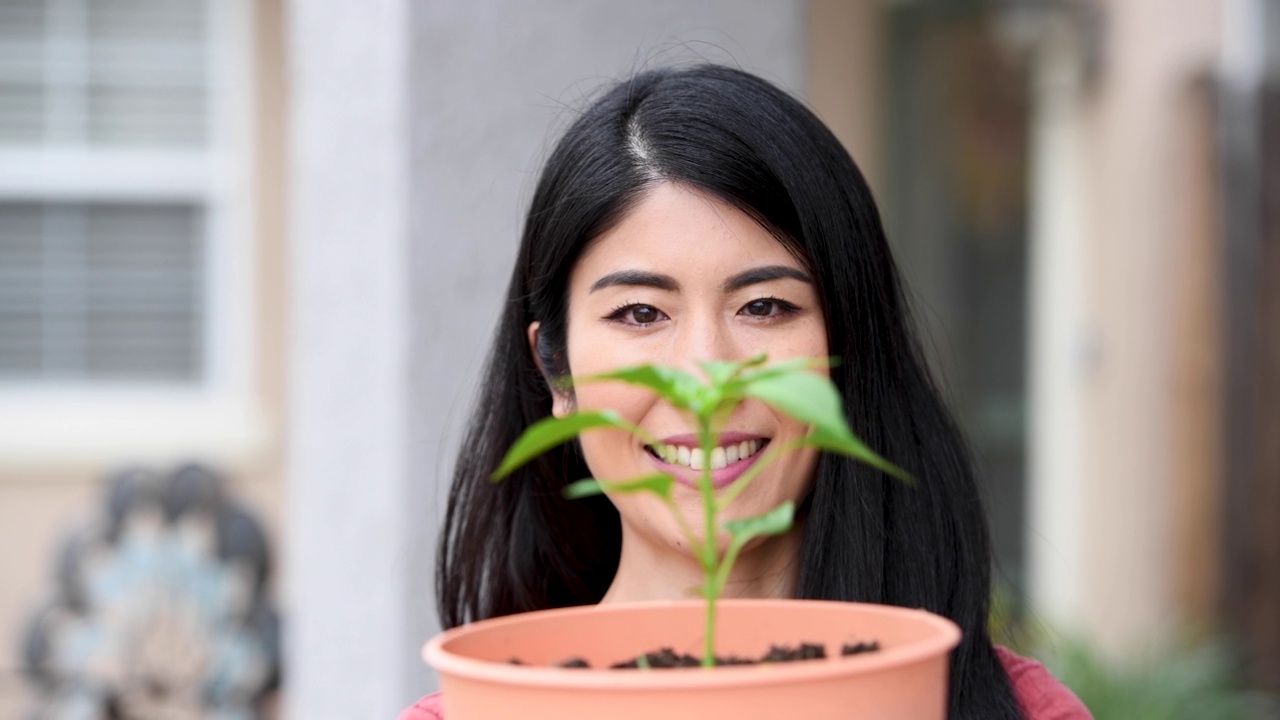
[702, 339]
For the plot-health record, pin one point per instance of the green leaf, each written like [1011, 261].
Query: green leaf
[550, 432]
[743, 531]
[808, 397]
[677, 387]
[659, 484]
[775, 522]
[814, 400]
[723, 412]
[719, 372]
[582, 488]
[853, 447]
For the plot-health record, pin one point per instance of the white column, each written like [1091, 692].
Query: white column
[352, 547]
[1060, 344]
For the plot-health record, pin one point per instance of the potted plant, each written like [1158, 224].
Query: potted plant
[559, 663]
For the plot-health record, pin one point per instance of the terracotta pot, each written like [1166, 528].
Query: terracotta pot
[906, 679]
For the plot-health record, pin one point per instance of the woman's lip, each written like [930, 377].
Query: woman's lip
[721, 478]
[728, 437]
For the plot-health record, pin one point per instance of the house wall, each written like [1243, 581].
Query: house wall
[396, 145]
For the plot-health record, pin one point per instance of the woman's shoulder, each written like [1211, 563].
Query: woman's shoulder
[428, 708]
[1039, 693]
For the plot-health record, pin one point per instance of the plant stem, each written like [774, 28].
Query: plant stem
[726, 564]
[710, 554]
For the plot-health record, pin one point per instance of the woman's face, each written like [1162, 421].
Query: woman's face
[685, 278]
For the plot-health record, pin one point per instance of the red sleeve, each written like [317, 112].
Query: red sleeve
[428, 708]
[1039, 693]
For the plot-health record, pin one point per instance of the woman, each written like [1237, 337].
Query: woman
[701, 213]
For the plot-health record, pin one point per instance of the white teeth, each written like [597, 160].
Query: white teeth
[718, 458]
[694, 457]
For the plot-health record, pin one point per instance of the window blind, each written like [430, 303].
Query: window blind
[104, 73]
[101, 291]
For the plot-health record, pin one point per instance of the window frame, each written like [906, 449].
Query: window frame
[220, 413]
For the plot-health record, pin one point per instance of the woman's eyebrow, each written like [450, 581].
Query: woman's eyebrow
[765, 274]
[636, 278]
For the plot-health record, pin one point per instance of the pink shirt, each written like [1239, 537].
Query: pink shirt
[1041, 696]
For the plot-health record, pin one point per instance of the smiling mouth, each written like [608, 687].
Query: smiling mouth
[694, 458]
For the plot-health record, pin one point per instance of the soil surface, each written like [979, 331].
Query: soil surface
[668, 658]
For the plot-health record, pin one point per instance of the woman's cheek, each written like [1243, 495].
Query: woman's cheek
[629, 401]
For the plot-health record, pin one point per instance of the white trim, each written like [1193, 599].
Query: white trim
[147, 422]
[106, 175]
[231, 278]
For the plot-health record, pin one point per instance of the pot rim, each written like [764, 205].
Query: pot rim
[448, 663]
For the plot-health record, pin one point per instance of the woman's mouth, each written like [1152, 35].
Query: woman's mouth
[682, 458]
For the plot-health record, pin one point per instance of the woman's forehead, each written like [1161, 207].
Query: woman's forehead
[679, 232]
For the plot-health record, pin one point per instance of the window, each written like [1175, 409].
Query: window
[125, 249]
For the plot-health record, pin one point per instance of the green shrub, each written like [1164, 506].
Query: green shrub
[1186, 680]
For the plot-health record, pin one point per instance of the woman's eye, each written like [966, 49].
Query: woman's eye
[637, 314]
[767, 307]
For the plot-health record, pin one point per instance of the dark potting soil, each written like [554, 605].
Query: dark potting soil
[668, 658]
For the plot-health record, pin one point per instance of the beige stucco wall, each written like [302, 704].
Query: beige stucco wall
[845, 76]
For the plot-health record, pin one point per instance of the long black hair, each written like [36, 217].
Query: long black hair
[520, 545]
